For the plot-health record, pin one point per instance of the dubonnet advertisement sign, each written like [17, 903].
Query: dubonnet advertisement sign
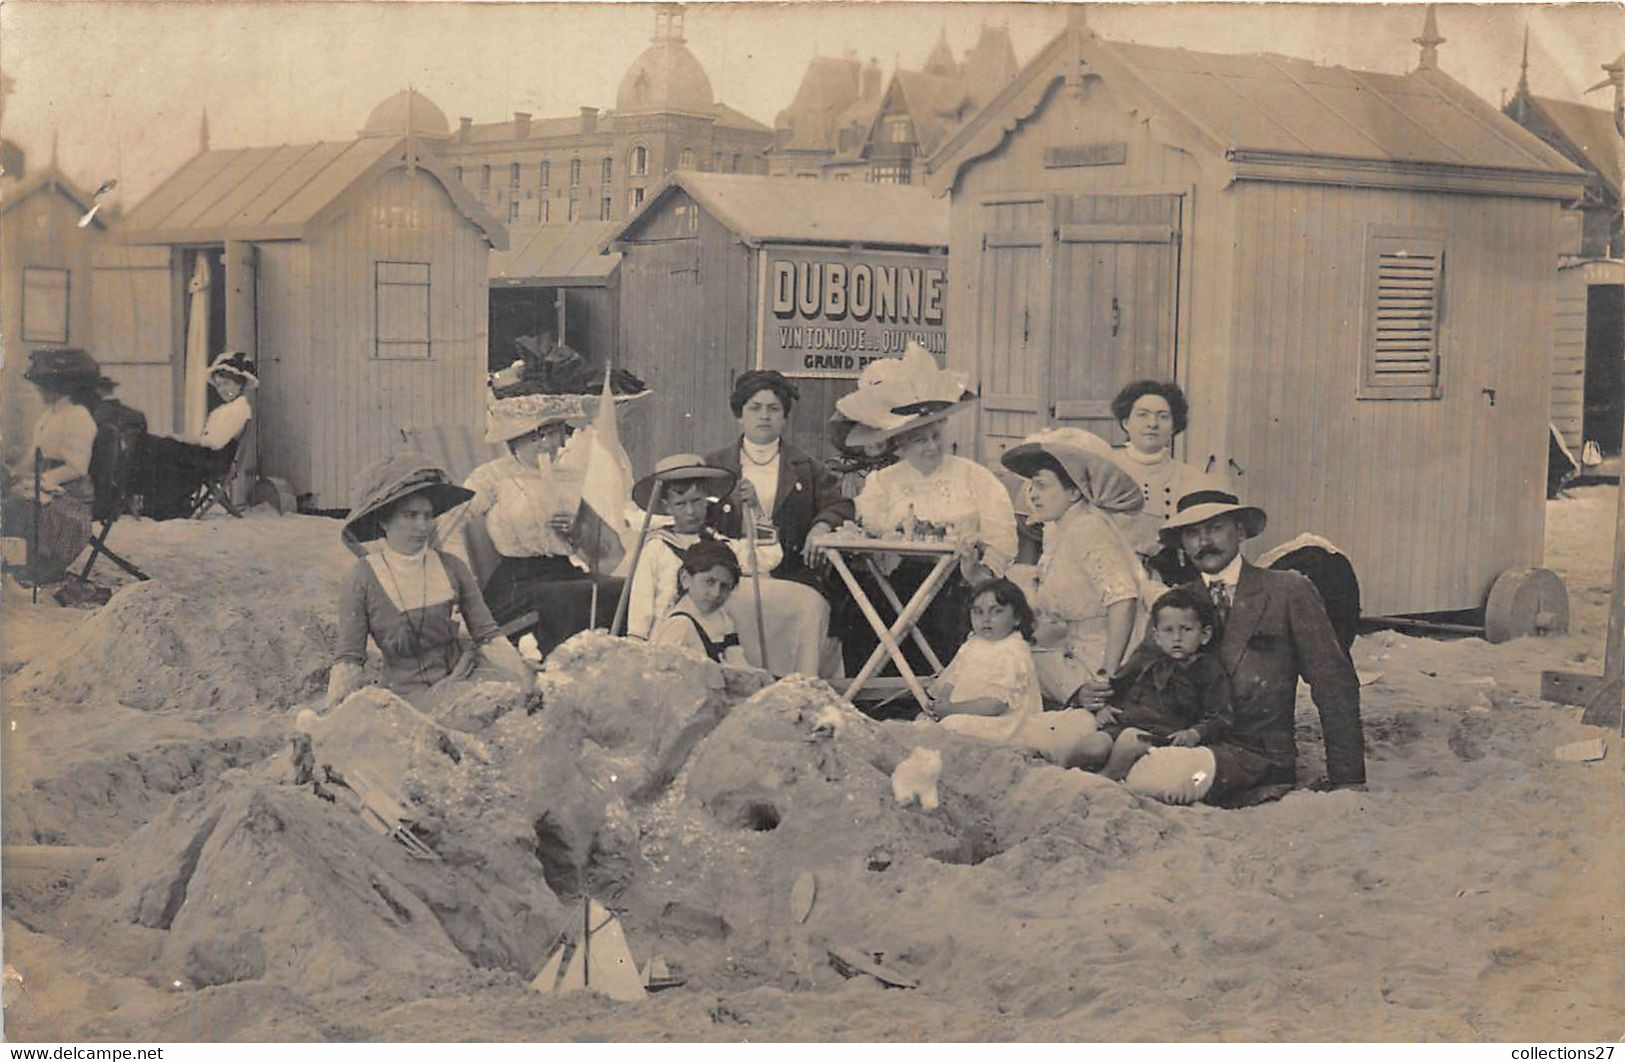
[830, 312]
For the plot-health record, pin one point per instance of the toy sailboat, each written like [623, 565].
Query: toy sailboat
[598, 961]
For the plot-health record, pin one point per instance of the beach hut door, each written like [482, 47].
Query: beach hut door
[1013, 284]
[1115, 294]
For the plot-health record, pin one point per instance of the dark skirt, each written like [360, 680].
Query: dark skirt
[170, 472]
[64, 528]
[557, 591]
[946, 622]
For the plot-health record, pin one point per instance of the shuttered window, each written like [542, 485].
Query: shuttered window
[45, 305]
[1404, 316]
[402, 306]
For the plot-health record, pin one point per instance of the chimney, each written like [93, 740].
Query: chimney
[464, 127]
[589, 119]
[872, 77]
[521, 124]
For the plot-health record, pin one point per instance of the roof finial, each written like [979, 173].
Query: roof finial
[411, 138]
[203, 132]
[1523, 67]
[1430, 41]
[55, 132]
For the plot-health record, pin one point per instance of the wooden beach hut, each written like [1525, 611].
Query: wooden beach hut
[1350, 273]
[552, 279]
[356, 272]
[721, 273]
[46, 260]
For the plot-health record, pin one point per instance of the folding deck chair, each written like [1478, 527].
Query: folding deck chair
[215, 488]
[113, 459]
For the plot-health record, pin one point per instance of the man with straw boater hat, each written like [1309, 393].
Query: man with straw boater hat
[1273, 630]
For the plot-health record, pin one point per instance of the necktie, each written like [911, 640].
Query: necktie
[1221, 600]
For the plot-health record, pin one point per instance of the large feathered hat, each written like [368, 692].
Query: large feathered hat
[551, 387]
[895, 395]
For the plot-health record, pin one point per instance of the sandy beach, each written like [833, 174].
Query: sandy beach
[1472, 892]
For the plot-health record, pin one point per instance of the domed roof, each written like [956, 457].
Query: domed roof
[389, 118]
[666, 77]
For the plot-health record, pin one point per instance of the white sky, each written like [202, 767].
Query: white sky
[122, 85]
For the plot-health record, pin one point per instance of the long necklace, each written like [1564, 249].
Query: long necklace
[416, 630]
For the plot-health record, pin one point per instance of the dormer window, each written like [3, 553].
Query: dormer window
[637, 163]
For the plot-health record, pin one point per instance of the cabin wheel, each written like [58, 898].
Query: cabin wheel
[1526, 601]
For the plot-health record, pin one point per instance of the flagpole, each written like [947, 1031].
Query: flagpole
[618, 624]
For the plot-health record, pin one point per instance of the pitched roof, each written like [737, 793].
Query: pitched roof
[827, 89]
[1591, 131]
[936, 105]
[794, 210]
[1260, 111]
[279, 193]
[554, 256]
[14, 192]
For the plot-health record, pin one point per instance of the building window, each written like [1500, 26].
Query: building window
[637, 163]
[1404, 305]
[605, 205]
[891, 173]
[485, 178]
[685, 161]
[401, 307]
[457, 172]
[606, 172]
[898, 129]
[513, 175]
[545, 176]
[734, 168]
[542, 212]
[575, 172]
[513, 210]
[575, 207]
[634, 199]
[688, 219]
[45, 305]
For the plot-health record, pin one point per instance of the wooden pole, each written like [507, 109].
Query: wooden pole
[755, 514]
[33, 531]
[1613, 666]
[618, 624]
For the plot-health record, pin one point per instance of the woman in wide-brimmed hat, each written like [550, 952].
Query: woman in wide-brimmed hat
[1085, 588]
[406, 595]
[172, 468]
[65, 434]
[783, 496]
[902, 405]
[516, 531]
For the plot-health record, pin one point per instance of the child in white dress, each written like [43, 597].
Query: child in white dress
[991, 688]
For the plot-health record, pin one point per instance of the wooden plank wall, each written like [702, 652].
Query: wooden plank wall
[1431, 499]
[41, 232]
[1569, 358]
[288, 380]
[685, 329]
[358, 403]
[138, 301]
[1066, 118]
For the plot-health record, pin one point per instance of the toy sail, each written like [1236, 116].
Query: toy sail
[599, 960]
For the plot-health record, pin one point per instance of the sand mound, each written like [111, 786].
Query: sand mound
[152, 649]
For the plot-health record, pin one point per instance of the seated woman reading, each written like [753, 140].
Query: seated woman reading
[173, 468]
[408, 595]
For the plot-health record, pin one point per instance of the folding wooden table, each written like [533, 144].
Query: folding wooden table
[842, 548]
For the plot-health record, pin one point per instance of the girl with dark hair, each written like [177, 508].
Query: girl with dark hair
[698, 622]
[783, 497]
[64, 435]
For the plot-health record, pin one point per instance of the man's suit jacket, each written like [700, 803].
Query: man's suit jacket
[807, 493]
[1276, 632]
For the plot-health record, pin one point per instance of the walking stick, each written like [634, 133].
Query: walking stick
[756, 585]
[33, 531]
[618, 624]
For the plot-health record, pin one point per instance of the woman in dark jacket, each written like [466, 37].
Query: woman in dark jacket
[785, 496]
